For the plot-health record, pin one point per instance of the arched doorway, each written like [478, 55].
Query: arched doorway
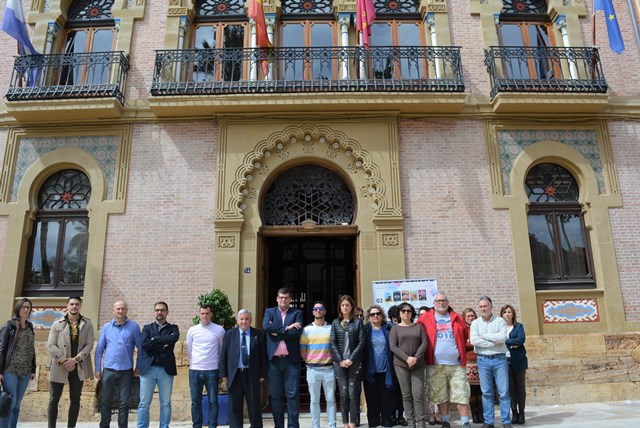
[309, 242]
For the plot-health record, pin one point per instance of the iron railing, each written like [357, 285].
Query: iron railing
[553, 69]
[329, 69]
[69, 75]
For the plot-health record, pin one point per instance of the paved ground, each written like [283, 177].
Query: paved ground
[598, 415]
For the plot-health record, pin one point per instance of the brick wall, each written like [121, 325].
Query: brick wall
[161, 248]
[626, 153]
[447, 205]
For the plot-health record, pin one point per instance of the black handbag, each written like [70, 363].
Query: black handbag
[5, 402]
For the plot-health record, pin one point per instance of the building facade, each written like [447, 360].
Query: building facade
[153, 152]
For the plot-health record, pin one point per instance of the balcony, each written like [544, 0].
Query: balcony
[99, 76]
[229, 71]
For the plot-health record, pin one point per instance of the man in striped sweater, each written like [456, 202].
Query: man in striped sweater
[314, 350]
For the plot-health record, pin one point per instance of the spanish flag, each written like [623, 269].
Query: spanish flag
[365, 15]
[256, 12]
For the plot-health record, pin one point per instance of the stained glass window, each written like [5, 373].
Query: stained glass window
[396, 6]
[306, 7]
[219, 7]
[308, 193]
[558, 238]
[535, 7]
[551, 183]
[89, 10]
[58, 247]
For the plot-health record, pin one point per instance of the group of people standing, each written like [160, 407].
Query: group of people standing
[435, 355]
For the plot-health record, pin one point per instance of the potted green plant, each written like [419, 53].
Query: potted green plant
[223, 313]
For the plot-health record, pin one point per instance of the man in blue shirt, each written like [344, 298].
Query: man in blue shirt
[114, 363]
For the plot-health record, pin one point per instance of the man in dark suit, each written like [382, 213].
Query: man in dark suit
[283, 327]
[157, 365]
[243, 365]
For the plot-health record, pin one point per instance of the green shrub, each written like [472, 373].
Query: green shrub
[223, 313]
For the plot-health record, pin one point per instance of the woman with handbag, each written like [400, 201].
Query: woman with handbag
[17, 358]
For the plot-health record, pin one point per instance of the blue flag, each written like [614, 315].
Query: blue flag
[14, 24]
[613, 29]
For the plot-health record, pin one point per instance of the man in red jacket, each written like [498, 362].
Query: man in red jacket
[446, 359]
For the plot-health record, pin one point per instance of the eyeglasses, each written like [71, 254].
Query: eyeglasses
[160, 310]
[405, 311]
[375, 314]
[318, 308]
[440, 301]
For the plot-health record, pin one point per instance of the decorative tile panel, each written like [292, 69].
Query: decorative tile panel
[512, 142]
[43, 317]
[570, 311]
[103, 148]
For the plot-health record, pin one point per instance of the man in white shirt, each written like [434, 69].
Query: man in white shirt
[204, 342]
[488, 335]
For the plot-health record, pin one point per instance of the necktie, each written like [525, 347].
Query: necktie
[245, 351]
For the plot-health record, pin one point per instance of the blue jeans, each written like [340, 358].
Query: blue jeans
[16, 386]
[284, 379]
[209, 380]
[155, 375]
[494, 368]
[322, 377]
[123, 379]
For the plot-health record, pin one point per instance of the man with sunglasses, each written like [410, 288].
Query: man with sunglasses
[315, 351]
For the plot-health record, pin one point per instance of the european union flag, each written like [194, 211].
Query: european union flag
[613, 29]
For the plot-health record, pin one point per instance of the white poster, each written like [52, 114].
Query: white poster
[418, 292]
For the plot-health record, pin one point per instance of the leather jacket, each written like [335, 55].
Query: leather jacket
[355, 329]
[7, 342]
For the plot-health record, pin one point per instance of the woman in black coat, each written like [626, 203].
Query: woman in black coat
[518, 363]
[347, 349]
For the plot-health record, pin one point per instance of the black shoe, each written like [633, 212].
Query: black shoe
[402, 421]
[358, 421]
[488, 426]
[446, 424]
[521, 418]
[432, 421]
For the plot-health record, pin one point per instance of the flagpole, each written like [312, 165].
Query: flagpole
[593, 40]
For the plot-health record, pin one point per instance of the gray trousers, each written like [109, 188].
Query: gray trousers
[412, 387]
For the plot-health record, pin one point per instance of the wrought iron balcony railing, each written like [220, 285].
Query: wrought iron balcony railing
[538, 69]
[69, 75]
[330, 69]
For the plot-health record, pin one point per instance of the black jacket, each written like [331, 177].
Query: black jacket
[356, 340]
[158, 343]
[7, 342]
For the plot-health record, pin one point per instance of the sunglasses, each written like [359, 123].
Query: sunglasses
[375, 314]
[405, 311]
[318, 308]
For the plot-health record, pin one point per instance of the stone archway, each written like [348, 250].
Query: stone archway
[252, 153]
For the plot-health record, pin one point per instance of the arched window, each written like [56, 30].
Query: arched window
[559, 240]
[57, 254]
[526, 24]
[308, 193]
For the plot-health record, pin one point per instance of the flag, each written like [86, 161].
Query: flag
[256, 12]
[14, 24]
[613, 29]
[365, 15]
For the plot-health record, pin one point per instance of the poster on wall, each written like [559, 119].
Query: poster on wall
[418, 292]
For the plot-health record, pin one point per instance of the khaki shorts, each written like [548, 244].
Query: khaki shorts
[448, 383]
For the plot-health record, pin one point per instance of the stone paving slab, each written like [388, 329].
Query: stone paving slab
[584, 415]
